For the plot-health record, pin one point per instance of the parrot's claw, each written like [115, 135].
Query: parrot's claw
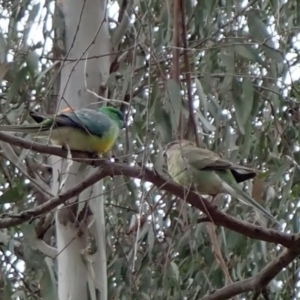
[94, 156]
[67, 148]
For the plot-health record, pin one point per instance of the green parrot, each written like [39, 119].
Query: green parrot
[82, 129]
[208, 172]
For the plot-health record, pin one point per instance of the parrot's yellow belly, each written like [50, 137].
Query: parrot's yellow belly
[206, 182]
[79, 140]
[180, 172]
[202, 181]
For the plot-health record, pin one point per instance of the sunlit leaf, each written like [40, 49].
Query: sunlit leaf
[201, 95]
[31, 18]
[258, 29]
[205, 123]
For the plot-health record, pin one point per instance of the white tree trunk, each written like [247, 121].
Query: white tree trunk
[86, 36]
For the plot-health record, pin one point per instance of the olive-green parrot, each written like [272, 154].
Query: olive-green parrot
[206, 171]
[82, 129]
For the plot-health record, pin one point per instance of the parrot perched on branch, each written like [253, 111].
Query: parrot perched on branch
[82, 129]
[208, 173]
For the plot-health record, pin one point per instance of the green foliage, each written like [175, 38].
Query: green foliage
[243, 68]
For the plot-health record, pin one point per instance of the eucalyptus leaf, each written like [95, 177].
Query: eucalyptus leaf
[8, 291]
[280, 171]
[205, 123]
[175, 270]
[48, 282]
[151, 241]
[249, 53]
[4, 68]
[3, 48]
[173, 95]
[31, 18]
[32, 60]
[12, 195]
[258, 28]
[45, 71]
[16, 85]
[238, 106]
[247, 97]
[201, 95]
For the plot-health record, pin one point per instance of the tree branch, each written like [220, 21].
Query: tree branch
[27, 215]
[257, 282]
[9, 154]
[192, 124]
[175, 68]
[124, 24]
[108, 168]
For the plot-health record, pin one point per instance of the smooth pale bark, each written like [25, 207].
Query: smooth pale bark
[86, 36]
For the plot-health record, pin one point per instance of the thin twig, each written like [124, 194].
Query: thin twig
[192, 121]
[175, 74]
[257, 282]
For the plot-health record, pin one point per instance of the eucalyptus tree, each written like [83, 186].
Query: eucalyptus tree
[220, 73]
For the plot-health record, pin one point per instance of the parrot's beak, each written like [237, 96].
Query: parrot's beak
[164, 153]
[166, 148]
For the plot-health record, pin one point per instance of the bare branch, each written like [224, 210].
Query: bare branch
[108, 168]
[45, 248]
[257, 282]
[175, 71]
[9, 154]
[124, 24]
[192, 124]
[27, 215]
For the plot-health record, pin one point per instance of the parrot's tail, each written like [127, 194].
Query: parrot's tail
[245, 198]
[30, 129]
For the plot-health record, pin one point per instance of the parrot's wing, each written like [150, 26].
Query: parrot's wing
[95, 122]
[59, 120]
[40, 117]
[91, 121]
[204, 159]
